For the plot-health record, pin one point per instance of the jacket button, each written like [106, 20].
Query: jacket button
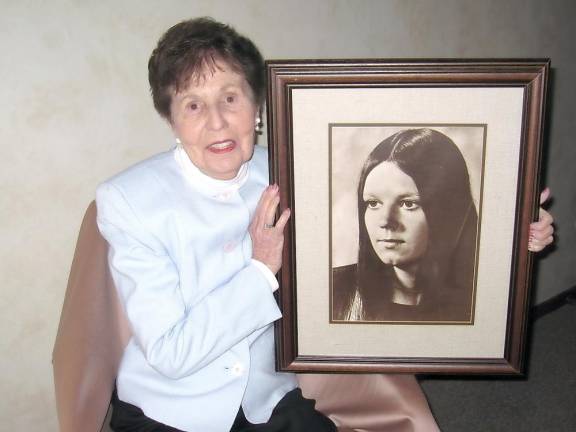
[230, 246]
[237, 369]
[224, 196]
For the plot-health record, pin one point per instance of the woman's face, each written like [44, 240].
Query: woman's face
[214, 118]
[395, 221]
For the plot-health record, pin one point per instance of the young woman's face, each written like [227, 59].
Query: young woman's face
[395, 221]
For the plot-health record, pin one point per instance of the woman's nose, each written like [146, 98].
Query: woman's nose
[216, 119]
[388, 217]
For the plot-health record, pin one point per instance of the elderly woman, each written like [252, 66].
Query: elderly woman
[194, 250]
[417, 234]
[193, 254]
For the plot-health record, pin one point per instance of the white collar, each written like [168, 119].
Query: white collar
[206, 184]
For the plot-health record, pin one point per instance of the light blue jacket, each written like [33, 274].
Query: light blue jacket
[201, 311]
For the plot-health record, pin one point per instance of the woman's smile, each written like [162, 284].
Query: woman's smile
[225, 146]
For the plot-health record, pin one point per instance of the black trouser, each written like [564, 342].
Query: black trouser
[294, 413]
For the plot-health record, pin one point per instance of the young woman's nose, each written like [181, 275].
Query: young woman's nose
[388, 217]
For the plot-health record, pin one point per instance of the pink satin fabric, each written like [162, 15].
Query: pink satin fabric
[91, 336]
[370, 403]
[93, 332]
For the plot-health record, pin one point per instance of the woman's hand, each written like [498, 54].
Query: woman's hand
[267, 237]
[542, 231]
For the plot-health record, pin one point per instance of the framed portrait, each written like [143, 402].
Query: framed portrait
[412, 184]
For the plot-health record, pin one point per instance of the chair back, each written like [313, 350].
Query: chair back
[92, 334]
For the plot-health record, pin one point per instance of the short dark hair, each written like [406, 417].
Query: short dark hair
[191, 45]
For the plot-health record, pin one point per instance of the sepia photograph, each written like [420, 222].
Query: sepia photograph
[405, 201]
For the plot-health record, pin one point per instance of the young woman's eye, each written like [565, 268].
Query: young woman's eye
[373, 204]
[193, 106]
[409, 204]
[230, 99]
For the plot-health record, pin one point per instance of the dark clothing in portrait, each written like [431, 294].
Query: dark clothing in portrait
[439, 302]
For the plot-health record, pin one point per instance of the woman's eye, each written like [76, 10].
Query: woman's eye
[409, 204]
[230, 99]
[193, 106]
[373, 204]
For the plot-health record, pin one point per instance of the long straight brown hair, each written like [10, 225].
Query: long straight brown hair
[439, 171]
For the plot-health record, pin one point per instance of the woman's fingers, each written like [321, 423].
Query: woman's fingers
[544, 195]
[541, 234]
[542, 231]
[282, 220]
[270, 212]
[535, 245]
[269, 203]
[267, 237]
[544, 221]
[263, 213]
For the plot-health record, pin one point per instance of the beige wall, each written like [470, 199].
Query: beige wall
[75, 109]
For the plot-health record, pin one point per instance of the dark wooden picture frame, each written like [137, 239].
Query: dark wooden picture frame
[305, 100]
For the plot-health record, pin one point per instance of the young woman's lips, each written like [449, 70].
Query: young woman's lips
[390, 243]
[222, 147]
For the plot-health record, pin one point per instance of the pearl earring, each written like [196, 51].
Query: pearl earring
[258, 125]
[178, 141]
